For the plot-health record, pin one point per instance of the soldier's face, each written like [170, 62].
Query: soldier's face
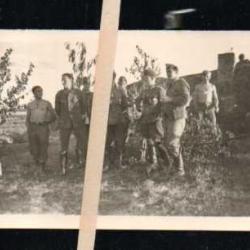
[207, 77]
[150, 80]
[123, 83]
[172, 74]
[38, 93]
[67, 83]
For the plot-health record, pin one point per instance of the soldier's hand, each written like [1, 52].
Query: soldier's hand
[84, 117]
[168, 99]
[217, 110]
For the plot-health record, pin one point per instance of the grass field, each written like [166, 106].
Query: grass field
[25, 189]
[213, 186]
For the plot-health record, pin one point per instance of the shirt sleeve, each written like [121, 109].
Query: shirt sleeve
[124, 99]
[28, 114]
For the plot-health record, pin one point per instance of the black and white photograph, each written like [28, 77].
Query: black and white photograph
[178, 138]
[46, 92]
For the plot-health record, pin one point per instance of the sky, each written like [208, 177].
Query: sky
[46, 50]
[192, 51]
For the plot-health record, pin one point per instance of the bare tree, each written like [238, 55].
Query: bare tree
[141, 62]
[15, 91]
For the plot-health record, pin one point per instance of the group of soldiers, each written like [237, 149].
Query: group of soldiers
[72, 116]
[161, 110]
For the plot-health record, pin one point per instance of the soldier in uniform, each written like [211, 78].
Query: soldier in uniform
[39, 115]
[116, 123]
[69, 108]
[176, 101]
[205, 100]
[150, 103]
[87, 106]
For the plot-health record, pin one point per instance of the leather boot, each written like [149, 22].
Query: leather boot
[79, 158]
[64, 162]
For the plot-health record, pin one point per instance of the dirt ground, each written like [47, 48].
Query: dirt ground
[25, 189]
[212, 187]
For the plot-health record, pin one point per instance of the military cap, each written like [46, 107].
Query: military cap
[35, 88]
[171, 67]
[149, 72]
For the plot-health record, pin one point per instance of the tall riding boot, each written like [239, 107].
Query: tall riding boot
[153, 160]
[64, 162]
[79, 157]
[163, 154]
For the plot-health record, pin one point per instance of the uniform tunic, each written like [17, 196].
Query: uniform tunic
[69, 108]
[117, 123]
[150, 102]
[175, 114]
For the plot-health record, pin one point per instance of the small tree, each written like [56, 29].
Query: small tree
[141, 62]
[15, 91]
[81, 66]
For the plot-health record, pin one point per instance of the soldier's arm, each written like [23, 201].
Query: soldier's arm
[28, 114]
[124, 99]
[139, 102]
[57, 104]
[195, 96]
[215, 99]
[183, 96]
[52, 113]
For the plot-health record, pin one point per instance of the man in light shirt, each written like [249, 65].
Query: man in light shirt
[39, 115]
[205, 100]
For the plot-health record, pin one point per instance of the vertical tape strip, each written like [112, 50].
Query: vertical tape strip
[99, 118]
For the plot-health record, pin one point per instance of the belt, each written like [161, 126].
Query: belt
[39, 123]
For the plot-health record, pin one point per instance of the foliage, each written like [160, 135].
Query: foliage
[141, 62]
[81, 66]
[199, 143]
[15, 91]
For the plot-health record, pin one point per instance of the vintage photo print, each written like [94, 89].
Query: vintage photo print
[46, 90]
[178, 127]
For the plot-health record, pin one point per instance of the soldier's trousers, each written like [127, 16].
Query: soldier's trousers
[65, 134]
[153, 133]
[210, 115]
[115, 141]
[39, 141]
[85, 140]
[174, 131]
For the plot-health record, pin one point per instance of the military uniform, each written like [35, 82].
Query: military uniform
[69, 108]
[39, 115]
[150, 102]
[175, 118]
[87, 105]
[206, 103]
[117, 125]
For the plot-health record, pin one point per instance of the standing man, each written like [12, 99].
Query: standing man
[117, 116]
[176, 101]
[39, 115]
[87, 106]
[70, 111]
[150, 103]
[205, 100]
